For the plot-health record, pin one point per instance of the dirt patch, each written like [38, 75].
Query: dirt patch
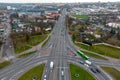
[46, 52]
[70, 53]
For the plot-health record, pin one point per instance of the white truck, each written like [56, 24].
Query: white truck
[51, 65]
[88, 62]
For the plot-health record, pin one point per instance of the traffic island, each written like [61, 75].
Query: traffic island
[78, 73]
[114, 73]
[34, 73]
[4, 64]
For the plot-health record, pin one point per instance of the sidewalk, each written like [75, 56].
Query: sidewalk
[108, 45]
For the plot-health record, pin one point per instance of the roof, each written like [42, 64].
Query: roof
[14, 27]
[52, 9]
[1, 26]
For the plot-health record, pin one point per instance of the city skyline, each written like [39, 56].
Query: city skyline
[53, 1]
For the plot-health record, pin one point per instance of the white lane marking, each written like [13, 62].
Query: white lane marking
[12, 78]
[51, 46]
[62, 67]
[3, 78]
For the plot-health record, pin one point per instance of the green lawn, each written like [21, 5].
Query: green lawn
[4, 64]
[113, 72]
[27, 54]
[94, 55]
[102, 49]
[45, 42]
[34, 72]
[83, 74]
[20, 47]
[78, 26]
[37, 39]
[81, 16]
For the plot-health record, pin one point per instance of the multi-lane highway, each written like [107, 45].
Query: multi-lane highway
[59, 50]
[60, 44]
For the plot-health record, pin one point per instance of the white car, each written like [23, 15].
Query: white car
[10, 46]
[45, 76]
[62, 73]
[86, 65]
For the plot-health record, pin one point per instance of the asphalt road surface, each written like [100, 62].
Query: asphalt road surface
[7, 48]
[60, 44]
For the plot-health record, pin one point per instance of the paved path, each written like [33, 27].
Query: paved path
[34, 48]
[107, 45]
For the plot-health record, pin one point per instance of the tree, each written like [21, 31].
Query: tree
[0, 43]
[118, 35]
[27, 37]
[15, 15]
[41, 25]
[73, 38]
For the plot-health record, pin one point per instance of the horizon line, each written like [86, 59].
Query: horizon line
[59, 2]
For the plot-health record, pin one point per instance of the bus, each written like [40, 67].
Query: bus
[82, 55]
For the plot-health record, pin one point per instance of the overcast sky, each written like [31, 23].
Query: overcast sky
[50, 1]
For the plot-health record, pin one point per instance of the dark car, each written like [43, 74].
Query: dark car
[93, 70]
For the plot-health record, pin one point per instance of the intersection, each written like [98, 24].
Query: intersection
[59, 43]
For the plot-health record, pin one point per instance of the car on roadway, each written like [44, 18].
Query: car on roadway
[10, 46]
[45, 76]
[51, 65]
[62, 72]
[93, 70]
[81, 62]
[98, 70]
[86, 65]
[74, 54]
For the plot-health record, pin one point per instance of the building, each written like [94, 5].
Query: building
[52, 10]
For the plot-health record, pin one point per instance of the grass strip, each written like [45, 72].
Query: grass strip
[102, 49]
[45, 42]
[94, 55]
[112, 72]
[4, 64]
[37, 39]
[78, 73]
[27, 54]
[34, 72]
